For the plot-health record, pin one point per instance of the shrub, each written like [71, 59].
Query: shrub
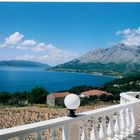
[5, 98]
[78, 89]
[93, 98]
[19, 98]
[37, 95]
[106, 98]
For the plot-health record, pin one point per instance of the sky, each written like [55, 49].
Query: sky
[55, 33]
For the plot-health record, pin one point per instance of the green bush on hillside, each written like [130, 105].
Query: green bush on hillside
[5, 98]
[128, 83]
[78, 89]
[38, 95]
[106, 98]
[19, 98]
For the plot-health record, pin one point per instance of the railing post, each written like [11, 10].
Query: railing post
[122, 100]
[71, 131]
[54, 134]
[110, 129]
[102, 130]
[74, 131]
[123, 124]
[128, 122]
[135, 118]
[66, 132]
[85, 131]
[117, 125]
[94, 132]
[38, 137]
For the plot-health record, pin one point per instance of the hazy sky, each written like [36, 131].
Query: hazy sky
[55, 33]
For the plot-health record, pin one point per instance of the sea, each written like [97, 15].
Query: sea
[14, 79]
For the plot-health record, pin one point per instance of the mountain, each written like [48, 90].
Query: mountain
[22, 63]
[117, 60]
[117, 54]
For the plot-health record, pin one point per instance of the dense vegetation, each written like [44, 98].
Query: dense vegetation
[128, 83]
[78, 89]
[105, 98]
[36, 96]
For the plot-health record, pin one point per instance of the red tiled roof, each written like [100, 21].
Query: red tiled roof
[60, 94]
[95, 92]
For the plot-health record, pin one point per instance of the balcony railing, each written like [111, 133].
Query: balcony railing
[109, 123]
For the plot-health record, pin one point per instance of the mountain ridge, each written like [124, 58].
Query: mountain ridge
[22, 63]
[116, 61]
[117, 54]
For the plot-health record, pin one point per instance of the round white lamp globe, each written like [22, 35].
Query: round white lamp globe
[72, 101]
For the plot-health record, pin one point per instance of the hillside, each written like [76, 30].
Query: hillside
[117, 60]
[22, 63]
[128, 83]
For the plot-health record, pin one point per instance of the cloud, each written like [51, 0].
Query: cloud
[13, 39]
[41, 47]
[56, 58]
[131, 37]
[22, 47]
[53, 55]
[26, 44]
[30, 49]
[124, 32]
[29, 42]
[2, 45]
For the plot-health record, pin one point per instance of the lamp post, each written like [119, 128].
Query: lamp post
[72, 102]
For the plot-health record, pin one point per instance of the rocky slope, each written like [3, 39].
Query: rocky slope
[117, 60]
[119, 53]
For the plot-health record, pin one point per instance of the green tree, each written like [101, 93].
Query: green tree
[103, 97]
[5, 98]
[106, 98]
[84, 101]
[116, 97]
[38, 95]
[19, 98]
[109, 98]
[78, 89]
[93, 98]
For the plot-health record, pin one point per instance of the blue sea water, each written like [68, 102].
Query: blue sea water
[24, 79]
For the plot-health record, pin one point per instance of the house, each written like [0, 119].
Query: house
[93, 93]
[56, 99]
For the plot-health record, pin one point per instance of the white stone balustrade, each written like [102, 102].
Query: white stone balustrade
[110, 123]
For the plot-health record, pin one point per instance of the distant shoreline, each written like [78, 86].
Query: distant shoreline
[74, 71]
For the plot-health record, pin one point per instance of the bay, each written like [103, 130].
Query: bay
[24, 79]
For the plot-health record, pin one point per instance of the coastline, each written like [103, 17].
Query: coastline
[81, 72]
